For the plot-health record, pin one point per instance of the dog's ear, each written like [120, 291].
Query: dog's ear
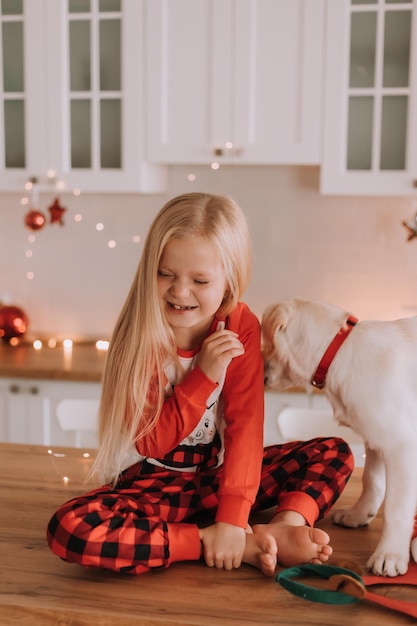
[276, 316]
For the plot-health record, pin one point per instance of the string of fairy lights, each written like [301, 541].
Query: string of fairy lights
[84, 459]
[35, 220]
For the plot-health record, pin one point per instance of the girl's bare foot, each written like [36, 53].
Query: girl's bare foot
[297, 544]
[261, 551]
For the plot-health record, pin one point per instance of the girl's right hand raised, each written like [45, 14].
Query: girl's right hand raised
[217, 351]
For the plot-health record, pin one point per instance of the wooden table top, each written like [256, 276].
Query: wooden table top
[38, 588]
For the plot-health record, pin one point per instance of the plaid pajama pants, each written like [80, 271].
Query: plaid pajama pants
[150, 519]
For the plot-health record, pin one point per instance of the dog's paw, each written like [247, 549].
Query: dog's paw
[353, 518]
[388, 564]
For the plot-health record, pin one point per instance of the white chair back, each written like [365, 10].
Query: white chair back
[79, 416]
[302, 424]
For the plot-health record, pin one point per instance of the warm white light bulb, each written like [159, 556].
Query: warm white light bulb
[102, 344]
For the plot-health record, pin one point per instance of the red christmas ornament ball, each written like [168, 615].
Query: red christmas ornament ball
[35, 220]
[13, 322]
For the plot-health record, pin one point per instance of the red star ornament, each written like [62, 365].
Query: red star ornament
[57, 212]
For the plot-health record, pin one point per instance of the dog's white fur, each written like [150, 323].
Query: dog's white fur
[372, 387]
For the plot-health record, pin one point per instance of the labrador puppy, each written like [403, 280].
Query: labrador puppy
[371, 383]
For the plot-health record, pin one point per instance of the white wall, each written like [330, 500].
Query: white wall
[347, 250]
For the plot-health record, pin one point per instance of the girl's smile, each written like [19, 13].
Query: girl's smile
[180, 308]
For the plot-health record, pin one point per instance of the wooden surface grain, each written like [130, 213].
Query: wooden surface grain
[37, 588]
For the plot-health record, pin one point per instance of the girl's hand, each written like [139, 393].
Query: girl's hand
[223, 545]
[217, 352]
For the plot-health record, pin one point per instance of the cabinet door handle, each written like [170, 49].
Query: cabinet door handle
[34, 390]
[14, 389]
[219, 152]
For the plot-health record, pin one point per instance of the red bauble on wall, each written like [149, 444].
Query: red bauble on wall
[13, 322]
[34, 219]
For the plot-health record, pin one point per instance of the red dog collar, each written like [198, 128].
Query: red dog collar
[319, 377]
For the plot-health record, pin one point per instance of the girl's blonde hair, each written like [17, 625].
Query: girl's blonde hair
[142, 341]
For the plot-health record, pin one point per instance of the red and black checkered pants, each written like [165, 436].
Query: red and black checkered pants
[151, 518]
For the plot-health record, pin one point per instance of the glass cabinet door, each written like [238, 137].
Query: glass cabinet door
[101, 98]
[370, 112]
[71, 84]
[13, 85]
[95, 83]
[379, 84]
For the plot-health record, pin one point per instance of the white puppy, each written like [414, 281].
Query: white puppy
[371, 383]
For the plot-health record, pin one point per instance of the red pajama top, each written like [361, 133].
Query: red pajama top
[204, 424]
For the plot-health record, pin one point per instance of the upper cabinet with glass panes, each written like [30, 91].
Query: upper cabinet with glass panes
[370, 109]
[71, 96]
[95, 95]
[13, 101]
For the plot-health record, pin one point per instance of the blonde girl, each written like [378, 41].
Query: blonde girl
[143, 341]
[181, 419]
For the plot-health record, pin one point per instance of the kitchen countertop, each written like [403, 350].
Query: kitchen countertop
[83, 362]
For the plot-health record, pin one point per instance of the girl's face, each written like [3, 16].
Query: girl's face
[191, 287]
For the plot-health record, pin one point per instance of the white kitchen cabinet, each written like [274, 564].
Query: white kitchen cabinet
[22, 411]
[370, 102]
[234, 81]
[27, 410]
[71, 109]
